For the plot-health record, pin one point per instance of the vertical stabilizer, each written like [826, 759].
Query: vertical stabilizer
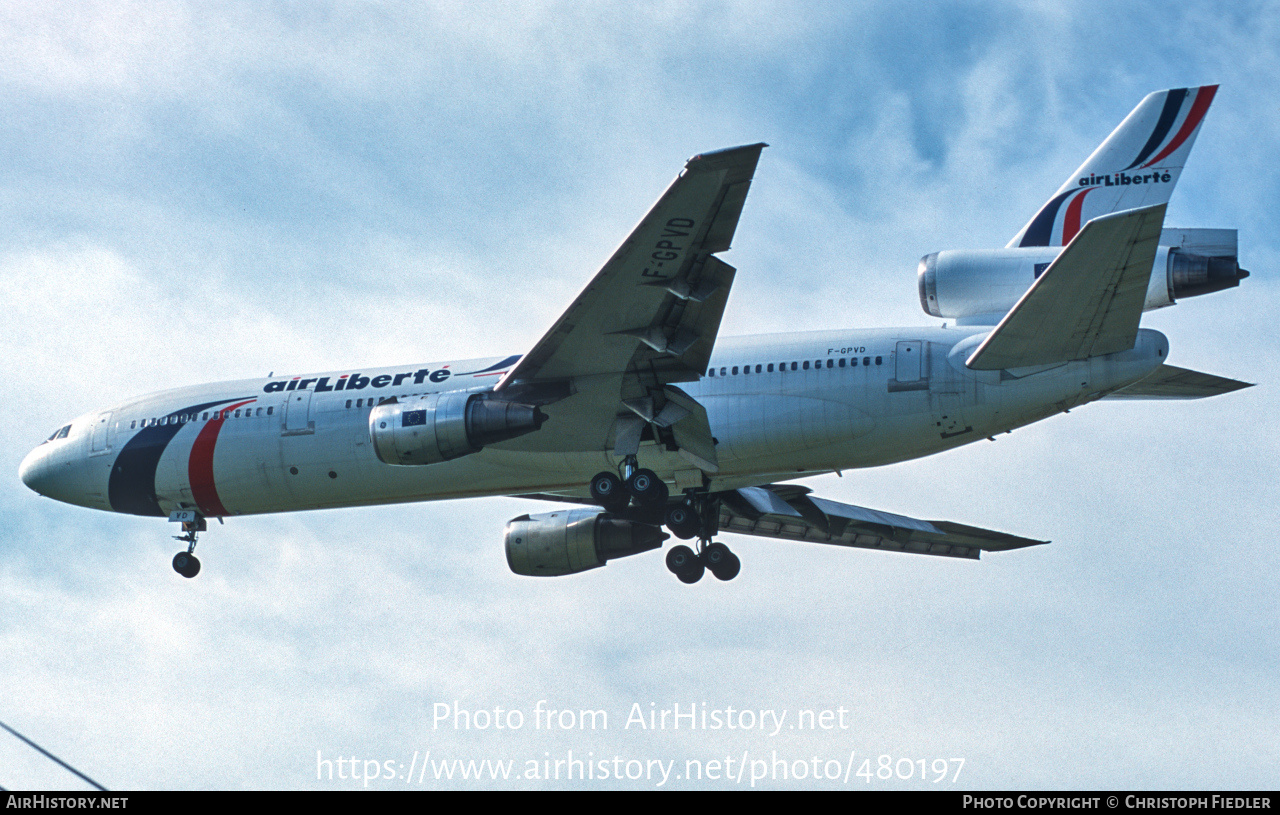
[1137, 166]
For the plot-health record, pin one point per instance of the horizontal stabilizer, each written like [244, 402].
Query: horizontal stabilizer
[1087, 303]
[1170, 382]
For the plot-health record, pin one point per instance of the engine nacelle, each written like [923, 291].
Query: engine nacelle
[574, 540]
[964, 284]
[981, 286]
[438, 427]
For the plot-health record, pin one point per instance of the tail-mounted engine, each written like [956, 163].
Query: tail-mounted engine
[975, 285]
[442, 426]
[574, 540]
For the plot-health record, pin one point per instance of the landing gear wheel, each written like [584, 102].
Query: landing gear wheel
[683, 522]
[722, 563]
[684, 564]
[607, 491]
[186, 564]
[647, 488]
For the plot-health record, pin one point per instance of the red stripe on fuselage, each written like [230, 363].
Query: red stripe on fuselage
[200, 465]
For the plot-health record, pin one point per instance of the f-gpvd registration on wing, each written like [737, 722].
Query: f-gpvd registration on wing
[633, 422]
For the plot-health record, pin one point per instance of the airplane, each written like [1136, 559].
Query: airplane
[639, 423]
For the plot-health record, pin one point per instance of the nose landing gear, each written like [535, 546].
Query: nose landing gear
[186, 563]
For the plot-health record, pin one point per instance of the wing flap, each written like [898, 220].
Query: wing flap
[1087, 303]
[765, 512]
[785, 512]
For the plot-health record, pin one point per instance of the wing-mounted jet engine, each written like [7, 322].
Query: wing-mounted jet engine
[439, 427]
[574, 540]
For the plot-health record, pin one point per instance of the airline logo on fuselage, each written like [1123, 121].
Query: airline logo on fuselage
[355, 381]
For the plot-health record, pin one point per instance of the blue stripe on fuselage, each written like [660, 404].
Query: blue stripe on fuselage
[131, 488]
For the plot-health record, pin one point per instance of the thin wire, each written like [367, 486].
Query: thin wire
[53, 757]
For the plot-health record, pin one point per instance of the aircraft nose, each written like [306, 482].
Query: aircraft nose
[60, 472]
[34, 470]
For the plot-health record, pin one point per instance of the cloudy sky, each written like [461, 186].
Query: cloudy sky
[203, 191]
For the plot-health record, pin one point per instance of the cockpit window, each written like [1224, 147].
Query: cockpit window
[60, 433]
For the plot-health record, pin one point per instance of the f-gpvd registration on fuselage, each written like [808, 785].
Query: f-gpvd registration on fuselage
[636, 423]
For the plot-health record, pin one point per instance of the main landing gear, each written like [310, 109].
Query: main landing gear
[641, 486]
[698, 516]
[186, 563]
[716, 558]
[639, 494]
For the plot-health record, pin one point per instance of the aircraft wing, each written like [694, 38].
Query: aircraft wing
[1172, 382]
[1087, 303]
[649, 318]
[787, 511]
[655, 307]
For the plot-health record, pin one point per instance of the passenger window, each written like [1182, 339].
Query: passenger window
[722, 371]
[757, 369]
[806, 364]
[269, 410]
[878, 360]
[793, 366]
[831, 363]
[842, 361]
[735, 370]
[866, 360]
[770, 367]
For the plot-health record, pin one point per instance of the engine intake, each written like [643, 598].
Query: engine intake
[439, 427]
[574, 540]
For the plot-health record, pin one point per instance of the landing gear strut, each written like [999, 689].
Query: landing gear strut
[186, 563]
[639, 495]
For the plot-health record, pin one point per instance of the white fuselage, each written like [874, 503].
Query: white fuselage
[779, 407]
